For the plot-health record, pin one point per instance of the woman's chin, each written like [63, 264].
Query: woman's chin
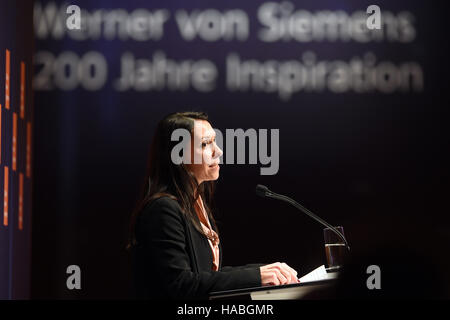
[214, 172]
[213, 176]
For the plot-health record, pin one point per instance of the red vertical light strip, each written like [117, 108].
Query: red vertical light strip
[22, 90]
[5, 197]
[20, 201]
[14, 142]
[28, 156]
[7, 78]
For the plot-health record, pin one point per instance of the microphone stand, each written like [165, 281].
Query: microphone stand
[265, 192]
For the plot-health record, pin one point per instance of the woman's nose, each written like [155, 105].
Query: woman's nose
[217, 151]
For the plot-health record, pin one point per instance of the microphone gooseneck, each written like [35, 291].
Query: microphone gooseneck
[263, 191]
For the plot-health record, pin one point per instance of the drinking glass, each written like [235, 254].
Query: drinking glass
[335, 248]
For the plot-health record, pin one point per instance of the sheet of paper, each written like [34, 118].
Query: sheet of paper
[318, 274]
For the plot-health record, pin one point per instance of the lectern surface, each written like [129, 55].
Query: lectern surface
[283, 292]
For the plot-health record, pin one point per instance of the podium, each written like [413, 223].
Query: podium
[284, 292]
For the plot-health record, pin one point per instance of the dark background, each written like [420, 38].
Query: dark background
[374, 163]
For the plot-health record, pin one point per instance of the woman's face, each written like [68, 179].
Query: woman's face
[205, 149]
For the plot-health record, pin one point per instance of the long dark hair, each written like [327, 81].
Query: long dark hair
[164, 178]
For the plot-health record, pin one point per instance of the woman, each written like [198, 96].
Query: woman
[173, 233]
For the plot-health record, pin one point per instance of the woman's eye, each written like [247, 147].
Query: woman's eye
[204, 144]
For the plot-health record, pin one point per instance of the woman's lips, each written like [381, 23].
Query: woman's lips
[215, 165]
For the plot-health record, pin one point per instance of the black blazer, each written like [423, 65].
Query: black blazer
[173, 260]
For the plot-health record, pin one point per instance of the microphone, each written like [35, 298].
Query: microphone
[263, 191]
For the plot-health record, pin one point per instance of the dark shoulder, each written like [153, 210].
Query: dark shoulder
[163, 201]
[159, 207]
[160, 218]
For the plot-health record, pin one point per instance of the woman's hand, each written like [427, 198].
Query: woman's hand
[277, 274]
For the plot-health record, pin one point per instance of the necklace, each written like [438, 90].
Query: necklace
[210, 233]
